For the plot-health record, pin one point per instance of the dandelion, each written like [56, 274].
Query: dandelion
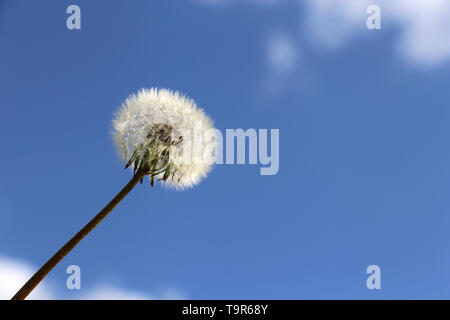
[154, 131]
[160, 134]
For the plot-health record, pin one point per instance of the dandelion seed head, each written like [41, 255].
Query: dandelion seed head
[164, 133]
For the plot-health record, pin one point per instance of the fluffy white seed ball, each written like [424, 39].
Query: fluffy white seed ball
[166, 135]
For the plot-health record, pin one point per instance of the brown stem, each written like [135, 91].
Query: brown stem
[58, 256]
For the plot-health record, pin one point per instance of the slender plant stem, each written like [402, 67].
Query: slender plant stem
[58, 256]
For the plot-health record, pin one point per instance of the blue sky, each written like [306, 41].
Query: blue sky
[364, 159]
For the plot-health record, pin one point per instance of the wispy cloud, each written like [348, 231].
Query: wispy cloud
[15, 272]
[332, 24]
[285, 67]
[282, 53]
[420, 27]
[112, 292]
[108, 292]
[422, 35]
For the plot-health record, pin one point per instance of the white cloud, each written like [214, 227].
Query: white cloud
[426, 31]
[13, 275]
[108, 292]
[423, 30]
[332, 23]
[112, 292]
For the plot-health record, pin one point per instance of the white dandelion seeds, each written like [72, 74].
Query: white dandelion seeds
[159, 133]
[167, 135]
